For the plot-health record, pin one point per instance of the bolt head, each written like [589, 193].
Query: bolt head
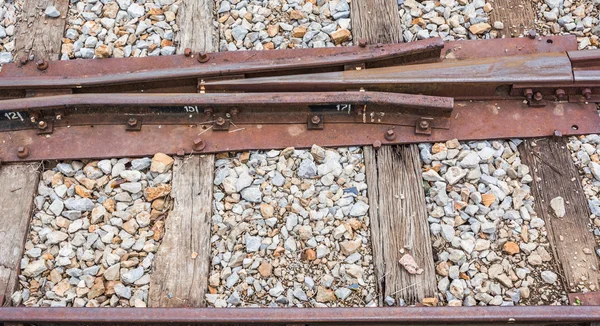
[560, 93]
[23, 60]
[42, 125]
[557, 134]
[203, 57]
[220, 121]
[315, 119]
[424, 124]
[187, 52]
[42, 64]
[22, 152]
[390, 135]
[132, 122]
[362, 42]
[199, 144]
[377, 144]
[538, 96]
[587, 93]
[531, 34]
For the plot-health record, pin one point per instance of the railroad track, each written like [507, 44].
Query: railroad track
[374, 182]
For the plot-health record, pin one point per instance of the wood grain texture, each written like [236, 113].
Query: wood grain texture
[16, 203]
[374, 218]
[518, 16]
[40, 35]
[394, 173]
[554, 174]
[180, 272]
[403, 223]
[398, 218]
[196, 27]
[376, 21]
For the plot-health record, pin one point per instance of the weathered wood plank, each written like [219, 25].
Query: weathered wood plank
[374, 218]
[40, 35]
[394, 173]
[403, 222]
[16, 203]
[554, 175]
[180, 272]
[196, 27]
[376, 21]
[518, 16]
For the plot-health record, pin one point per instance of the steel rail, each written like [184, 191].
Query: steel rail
[117, 71]
[440, 78]
[82, 73]
[469, 121]
[445, 315]
[437, 104]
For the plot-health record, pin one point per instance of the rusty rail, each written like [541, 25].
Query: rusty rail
[114, 71]
[469, 121]
[440, 104]
[391, 315]
[334, 97]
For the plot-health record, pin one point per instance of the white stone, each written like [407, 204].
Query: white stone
[558, 205]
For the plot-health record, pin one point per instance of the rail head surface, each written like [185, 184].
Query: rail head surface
[391, 315]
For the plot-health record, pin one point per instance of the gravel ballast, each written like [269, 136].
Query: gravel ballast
[283, 24]
[95, 230]
[120, 29]
[490, 248]
[291, 228]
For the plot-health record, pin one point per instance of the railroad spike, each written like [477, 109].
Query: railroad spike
[42, 65]
[22, 152]
[390, 135]
[377, 144]
[199, 144]
[203, 57]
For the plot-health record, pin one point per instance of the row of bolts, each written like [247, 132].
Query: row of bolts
[199, 144]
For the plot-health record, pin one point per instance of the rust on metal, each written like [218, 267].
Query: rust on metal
[231, 100]
[469, 121]
[117, 71]
[468, 49]
[587, 93]
[585, 299]
[463, 79]
[560, 94]
[527, 84]
[389, 315]
[22, 152]
[203, 57]
[586, 66]
[132, 122]
[390, 135]
[42, 65]
[199, 144]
